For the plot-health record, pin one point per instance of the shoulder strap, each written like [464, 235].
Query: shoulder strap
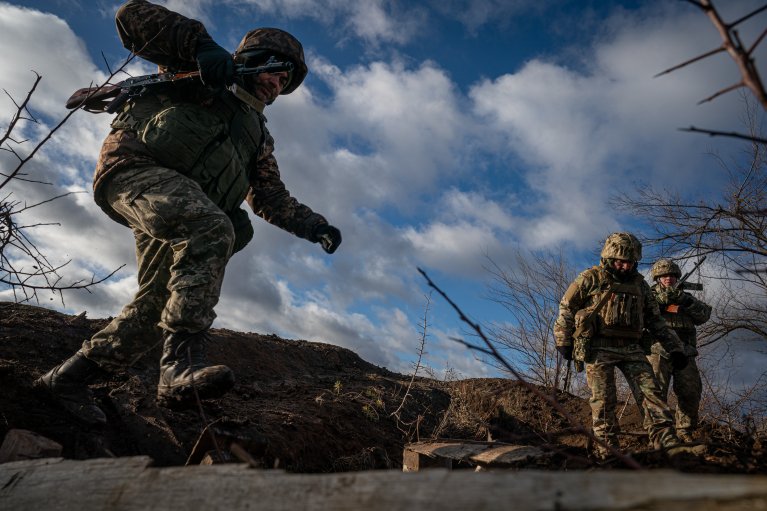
[602, 300]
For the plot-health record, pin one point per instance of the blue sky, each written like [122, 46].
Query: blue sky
[432, 133]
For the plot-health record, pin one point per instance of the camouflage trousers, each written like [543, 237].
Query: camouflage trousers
[600, 376]
[183, 243]
[687, 387]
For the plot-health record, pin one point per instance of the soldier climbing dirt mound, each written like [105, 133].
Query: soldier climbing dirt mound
[175, 168]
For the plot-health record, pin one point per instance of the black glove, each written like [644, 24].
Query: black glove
[566, 352]
[216, 65]
[328, 236]
[678, 360]
[686, 301]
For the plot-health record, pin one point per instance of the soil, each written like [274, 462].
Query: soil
[310, 407]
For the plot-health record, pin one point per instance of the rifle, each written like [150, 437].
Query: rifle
[109, 98]
[682, 282]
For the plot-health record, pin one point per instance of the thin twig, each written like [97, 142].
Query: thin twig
[714, 133]
[421, 352]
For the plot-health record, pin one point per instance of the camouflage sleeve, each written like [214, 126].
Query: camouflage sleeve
[575, 298]
[655, 323]
[159, 35]
[270, 200]
[698, 310]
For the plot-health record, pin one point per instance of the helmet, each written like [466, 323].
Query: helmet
[274, 40]
[622, 245]
[665, 267]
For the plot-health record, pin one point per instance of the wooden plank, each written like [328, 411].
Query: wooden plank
[507, 454]
[413, 461]
[458, 451]
[128, 484]
[472, 453]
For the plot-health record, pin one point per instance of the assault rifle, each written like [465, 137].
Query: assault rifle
[110, 98]
[690, 286]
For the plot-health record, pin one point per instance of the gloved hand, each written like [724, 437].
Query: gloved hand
[216, 65]
[678, 360]
[566, 352]
[676, 296]
[328, 236]
[686, 300]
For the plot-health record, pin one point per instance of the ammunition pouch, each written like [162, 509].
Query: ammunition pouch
[243, 229]
[583, 335]
[646, 342]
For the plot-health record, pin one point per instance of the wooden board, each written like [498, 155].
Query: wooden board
[129, 484]
[422, 455]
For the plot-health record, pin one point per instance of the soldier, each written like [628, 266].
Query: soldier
[682, 312]
[175, 169]
[616, 300]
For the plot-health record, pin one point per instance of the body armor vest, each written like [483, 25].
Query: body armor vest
[216, 145]
[681, 321]
[678, 321]
[622, 316]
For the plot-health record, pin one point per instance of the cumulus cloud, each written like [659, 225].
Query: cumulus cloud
[374, 22]
[586, 132]
[49, 48]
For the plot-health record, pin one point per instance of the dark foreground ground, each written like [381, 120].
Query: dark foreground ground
[309, 407]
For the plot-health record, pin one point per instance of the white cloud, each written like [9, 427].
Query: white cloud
[35, 41]
[477, 208]
[452, 248]
[376, 22]
[588, 132]
[407, 124]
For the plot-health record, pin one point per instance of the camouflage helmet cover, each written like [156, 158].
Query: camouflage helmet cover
[665, 267]
[281, 42]
[622, 245]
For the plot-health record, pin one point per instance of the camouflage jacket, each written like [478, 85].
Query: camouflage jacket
[681, 310]
[622, 320]
[169, 40]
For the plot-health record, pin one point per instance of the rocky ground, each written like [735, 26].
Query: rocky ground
[309, 407]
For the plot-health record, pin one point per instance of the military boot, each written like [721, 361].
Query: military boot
[184, 369]
[695, 450]
[674, 447]
[603, 452]
[67, 385]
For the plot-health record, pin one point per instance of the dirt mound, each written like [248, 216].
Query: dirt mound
[302, 406]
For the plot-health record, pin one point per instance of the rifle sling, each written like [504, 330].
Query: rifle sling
[602, 301]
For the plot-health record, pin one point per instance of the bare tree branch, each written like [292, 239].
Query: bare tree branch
[530, 289]
[731, 228]
[23, 268]
[713, 133]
